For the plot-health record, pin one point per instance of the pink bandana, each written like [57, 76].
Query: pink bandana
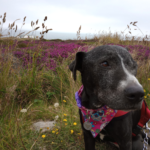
[98, 118]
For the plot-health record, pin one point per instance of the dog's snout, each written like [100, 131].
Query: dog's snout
[134, 93]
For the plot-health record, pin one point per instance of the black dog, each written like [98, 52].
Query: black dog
[109, 78]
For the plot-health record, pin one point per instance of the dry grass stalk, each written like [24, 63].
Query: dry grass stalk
[41, 37]
[134, 23]
[133, 38]
[4, 18]
[48, 30]
[45, 31]
[28, 33]
[23, 23]
[12, 26]
[43, 26]
[3, 21]
[16, 28]
[45, 18]
[37, 22]
[24, 19]
[0, 106]
[20, 34]
[36, 28]
[78, 33]
[31, 23]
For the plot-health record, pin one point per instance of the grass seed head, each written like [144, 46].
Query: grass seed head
[37, 22]
[41, 37]
[36, 28]
[31, 23]
[13, 24]
[45, 18]
[16, 27]
[43, 25]
[4, 20]
[24, 19]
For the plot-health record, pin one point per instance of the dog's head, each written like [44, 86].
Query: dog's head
[109, 78]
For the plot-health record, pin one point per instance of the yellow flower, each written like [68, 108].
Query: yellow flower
[148, 94]
[53, 131]
[56, 129]
[43, 136]
[144, 90]
[75, 123]
[65, 120]
[56, 132]
[65, 123]
[65, 114]
[71, 131]
[145, 96]
[64, 101]
[61, 141]
[52, 142]
[148, 78]
[47, 128]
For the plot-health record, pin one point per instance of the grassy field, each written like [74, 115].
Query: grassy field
[39, 78]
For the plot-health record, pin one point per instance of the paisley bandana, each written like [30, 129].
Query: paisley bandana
[98, 118]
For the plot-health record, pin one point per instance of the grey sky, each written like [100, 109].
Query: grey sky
[67, 15]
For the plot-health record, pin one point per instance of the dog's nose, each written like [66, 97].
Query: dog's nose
[134, 93]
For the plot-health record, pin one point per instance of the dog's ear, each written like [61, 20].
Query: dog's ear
[77, 63]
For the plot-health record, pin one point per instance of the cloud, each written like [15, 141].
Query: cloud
[67, 16]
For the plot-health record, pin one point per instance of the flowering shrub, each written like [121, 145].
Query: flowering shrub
[143, 52]
[45, 52]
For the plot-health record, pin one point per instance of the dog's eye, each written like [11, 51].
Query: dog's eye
[105, 64]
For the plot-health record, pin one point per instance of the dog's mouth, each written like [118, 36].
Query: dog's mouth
[97, 105]
[123, 107]
[132, 107]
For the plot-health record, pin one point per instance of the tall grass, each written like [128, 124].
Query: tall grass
[42, 79]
